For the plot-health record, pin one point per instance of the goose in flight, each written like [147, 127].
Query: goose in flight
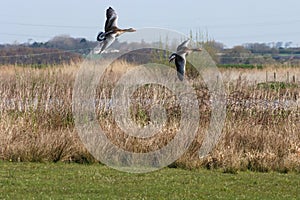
[179, 57]
[111, 30]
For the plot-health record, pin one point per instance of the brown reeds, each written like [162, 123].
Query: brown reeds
[261, 131]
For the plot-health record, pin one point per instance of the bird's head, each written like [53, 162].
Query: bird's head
[101, 36]
[197, 49]
[131, 30]
[172, 57]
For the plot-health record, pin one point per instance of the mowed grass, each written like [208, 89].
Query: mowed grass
[77, 181]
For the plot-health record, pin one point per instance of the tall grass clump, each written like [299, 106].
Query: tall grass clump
[36, 115]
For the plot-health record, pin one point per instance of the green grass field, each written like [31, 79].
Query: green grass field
[78, 181]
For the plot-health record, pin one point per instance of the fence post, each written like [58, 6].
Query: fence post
[294, 79]
[274, 76]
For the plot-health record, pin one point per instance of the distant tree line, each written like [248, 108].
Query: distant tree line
[65, 49]
[67, 43]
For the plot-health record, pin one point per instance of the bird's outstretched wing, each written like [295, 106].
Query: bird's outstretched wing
[104, 44]
[111, 19]
[180, 66]
[184, 44]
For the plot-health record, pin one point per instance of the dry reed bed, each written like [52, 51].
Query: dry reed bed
[268, 73]
[37, 122]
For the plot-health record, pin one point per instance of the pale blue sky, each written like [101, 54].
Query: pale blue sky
[231, 22]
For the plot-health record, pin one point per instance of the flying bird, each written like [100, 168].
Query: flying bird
[111, 30]
[180, 57]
